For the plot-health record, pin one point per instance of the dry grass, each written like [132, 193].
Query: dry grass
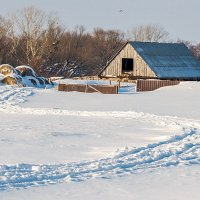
[9, 80]
[6, 69]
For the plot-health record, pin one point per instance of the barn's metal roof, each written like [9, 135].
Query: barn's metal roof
[168, 60]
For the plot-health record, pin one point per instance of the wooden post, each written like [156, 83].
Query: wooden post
[86, 86]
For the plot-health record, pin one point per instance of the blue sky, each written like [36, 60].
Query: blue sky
[179, 17]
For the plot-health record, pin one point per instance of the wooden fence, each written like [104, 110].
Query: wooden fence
[107, 89]
[150, 85]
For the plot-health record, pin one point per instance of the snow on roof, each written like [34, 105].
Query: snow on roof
[168, 60]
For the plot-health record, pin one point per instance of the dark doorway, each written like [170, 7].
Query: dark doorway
[127, 64]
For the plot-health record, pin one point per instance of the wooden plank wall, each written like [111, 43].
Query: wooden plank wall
[150, 85]
[115, 66]
[88, 88]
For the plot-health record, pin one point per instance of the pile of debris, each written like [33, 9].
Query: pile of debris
[22, 76]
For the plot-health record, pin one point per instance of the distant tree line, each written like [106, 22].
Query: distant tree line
[35, 38]
[32, 37]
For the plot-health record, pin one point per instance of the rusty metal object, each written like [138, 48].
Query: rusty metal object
[150, 85]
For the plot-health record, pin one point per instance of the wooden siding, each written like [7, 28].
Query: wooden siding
[140, 68]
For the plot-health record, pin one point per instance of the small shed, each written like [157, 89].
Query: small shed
[153, 60]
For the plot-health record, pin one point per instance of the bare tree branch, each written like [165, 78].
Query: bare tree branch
[149, 33]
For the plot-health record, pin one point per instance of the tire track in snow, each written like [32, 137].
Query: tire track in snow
[10, 96]
[178, 150]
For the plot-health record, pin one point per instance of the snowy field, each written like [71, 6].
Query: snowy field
[59, 145]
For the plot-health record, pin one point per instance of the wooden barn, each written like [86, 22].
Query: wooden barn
[151, 60]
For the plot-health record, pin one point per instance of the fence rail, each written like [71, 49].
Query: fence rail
[88, 88]
[150, 85]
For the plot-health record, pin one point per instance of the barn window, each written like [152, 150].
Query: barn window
[127, 64]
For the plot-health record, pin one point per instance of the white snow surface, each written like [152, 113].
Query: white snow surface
[98, 146]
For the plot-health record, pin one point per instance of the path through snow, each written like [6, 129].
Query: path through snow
[182, 149]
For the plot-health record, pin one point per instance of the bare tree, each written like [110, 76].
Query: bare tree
[149, 33]
[107, 42]
[195, 49]
[71, 56]
[4, 40]
[84, 53]
[32, 33]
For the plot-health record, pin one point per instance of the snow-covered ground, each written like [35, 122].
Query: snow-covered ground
[94, 146]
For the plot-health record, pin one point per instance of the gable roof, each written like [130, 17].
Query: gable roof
[115, 55]
[168, 60]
